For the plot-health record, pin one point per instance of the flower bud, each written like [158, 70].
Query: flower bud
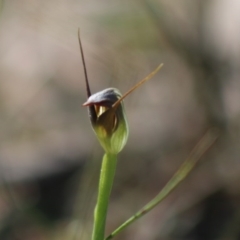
[106, 112]
[108, 119]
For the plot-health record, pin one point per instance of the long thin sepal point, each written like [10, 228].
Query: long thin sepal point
[148, 77]
[84, 65]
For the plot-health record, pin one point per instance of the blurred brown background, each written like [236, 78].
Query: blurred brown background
[49, 157]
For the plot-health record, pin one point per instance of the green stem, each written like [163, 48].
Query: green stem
[105, 185]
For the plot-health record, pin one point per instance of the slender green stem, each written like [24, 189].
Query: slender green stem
[105, 185]
[204, 144]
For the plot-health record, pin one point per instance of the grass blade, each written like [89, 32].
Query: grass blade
[203, 145]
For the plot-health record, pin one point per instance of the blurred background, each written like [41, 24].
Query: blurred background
[49, 157]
